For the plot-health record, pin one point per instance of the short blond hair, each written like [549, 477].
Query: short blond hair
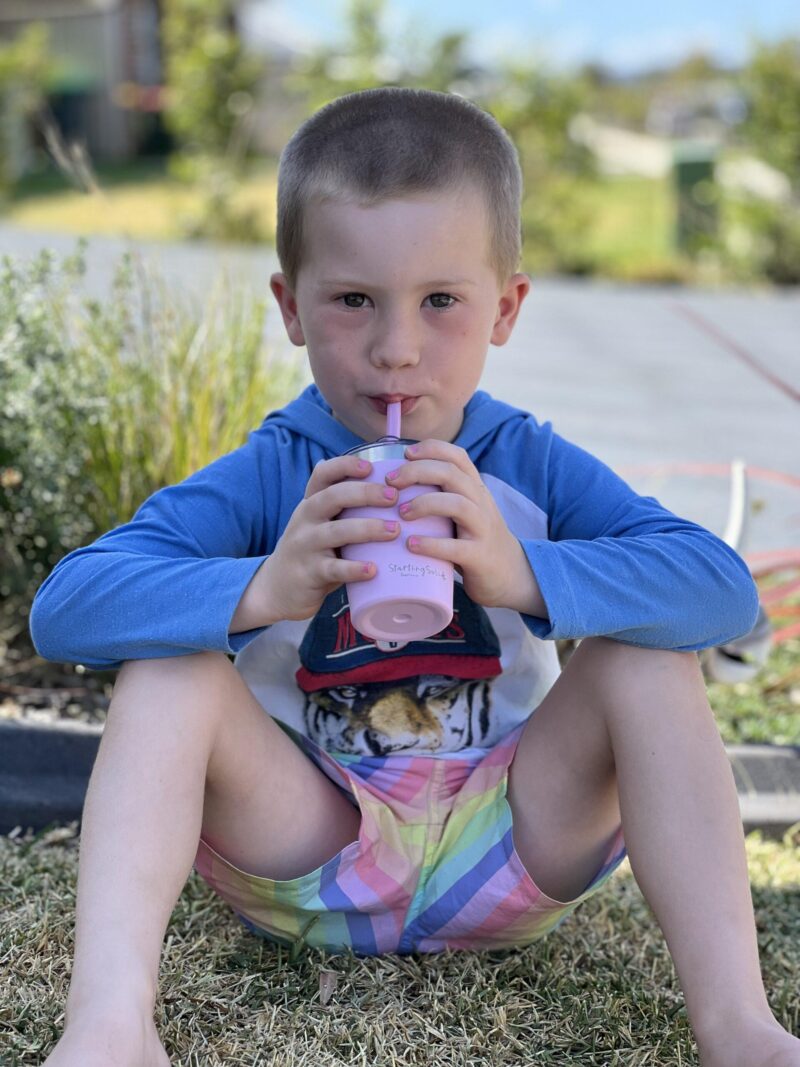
[380, 144]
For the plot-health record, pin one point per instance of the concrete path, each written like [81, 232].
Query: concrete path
[666, 385]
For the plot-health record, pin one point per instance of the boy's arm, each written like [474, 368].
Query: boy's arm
[621, 565]
[167, 583]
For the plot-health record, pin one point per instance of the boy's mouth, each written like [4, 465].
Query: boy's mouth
[407, 403]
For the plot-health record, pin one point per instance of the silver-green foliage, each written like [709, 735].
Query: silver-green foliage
[104, 402]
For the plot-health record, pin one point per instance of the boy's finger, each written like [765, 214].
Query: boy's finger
[432, 448]
[331, 471]
[357, 531]
[446, 548]
[452, 506]
[346, 570]
[431, 472]
[331, 501]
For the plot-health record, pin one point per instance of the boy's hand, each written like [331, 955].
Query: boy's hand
[305, 567]
[490, 559]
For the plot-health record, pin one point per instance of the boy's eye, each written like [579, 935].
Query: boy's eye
[442, 300]
[357, 298]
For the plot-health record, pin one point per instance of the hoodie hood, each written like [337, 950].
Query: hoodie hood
[310, 416]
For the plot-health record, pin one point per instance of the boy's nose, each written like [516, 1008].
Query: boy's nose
[395, 344]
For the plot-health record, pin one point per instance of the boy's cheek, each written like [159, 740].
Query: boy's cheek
[331, 320]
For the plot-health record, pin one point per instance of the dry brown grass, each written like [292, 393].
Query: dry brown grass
[599, 991]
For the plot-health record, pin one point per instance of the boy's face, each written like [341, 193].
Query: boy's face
[397, 301]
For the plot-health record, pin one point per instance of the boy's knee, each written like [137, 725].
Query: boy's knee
[612, 668]
[610, 651]
[171, 665]
[201, 676]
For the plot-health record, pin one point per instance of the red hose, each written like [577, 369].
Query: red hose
[762, 563]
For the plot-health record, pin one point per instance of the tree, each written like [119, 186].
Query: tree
[24, 66]
[772, 85]
[536, 108]
[210, 78]
[211, 91]
[367, 59]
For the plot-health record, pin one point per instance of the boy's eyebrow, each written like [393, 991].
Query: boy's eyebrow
[344, 283]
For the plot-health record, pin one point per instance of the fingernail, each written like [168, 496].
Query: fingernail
[393, 474]
[404, 508]
[413, 449]
[391, 526]
[389, 493]
[413, 542]
[363, 465]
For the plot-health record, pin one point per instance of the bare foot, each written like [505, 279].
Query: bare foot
[98, 1042]
[761, 1044]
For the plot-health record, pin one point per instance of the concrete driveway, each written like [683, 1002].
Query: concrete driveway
[666, 385]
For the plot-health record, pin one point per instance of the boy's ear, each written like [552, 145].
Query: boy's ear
[508, 306]
[288, 305]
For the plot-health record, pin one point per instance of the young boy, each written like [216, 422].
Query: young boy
[367, 798]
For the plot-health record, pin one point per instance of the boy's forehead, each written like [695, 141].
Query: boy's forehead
[459, 192]
[445, 234]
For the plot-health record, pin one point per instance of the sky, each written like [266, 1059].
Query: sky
[625, 35]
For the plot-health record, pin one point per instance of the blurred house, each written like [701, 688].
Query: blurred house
[703, 111]
[105, 86]
[620, 151]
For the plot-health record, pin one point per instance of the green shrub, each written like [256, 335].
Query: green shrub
[212, 85]
[763, 240]
[771, 84]
[211, 77]
[25, 66]
[103, 403]
[555, 221]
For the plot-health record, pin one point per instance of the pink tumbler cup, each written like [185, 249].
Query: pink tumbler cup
[411, 595]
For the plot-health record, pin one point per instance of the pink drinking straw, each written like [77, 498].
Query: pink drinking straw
[393, 419]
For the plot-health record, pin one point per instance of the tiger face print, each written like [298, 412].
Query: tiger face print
[427, 713]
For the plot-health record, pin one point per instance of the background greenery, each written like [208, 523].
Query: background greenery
[575, 219]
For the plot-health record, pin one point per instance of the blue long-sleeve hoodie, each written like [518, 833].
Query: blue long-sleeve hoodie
[607, 561]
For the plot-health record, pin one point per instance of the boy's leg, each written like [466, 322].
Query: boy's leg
[631, 728]
[265, 805]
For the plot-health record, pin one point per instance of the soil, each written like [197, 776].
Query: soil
[33, 689]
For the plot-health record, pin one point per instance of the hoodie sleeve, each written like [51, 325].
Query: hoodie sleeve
[620, 565]
[168, 582]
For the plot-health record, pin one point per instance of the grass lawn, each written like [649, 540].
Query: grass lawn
[632, 226]
[600, 990]
[138, 201]
[765, 710]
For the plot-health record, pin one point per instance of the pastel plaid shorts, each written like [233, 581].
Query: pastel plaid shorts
[434, 866]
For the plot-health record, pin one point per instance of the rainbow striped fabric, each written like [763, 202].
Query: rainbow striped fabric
[434, 866]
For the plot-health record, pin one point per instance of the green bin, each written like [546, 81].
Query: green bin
[696, 195]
